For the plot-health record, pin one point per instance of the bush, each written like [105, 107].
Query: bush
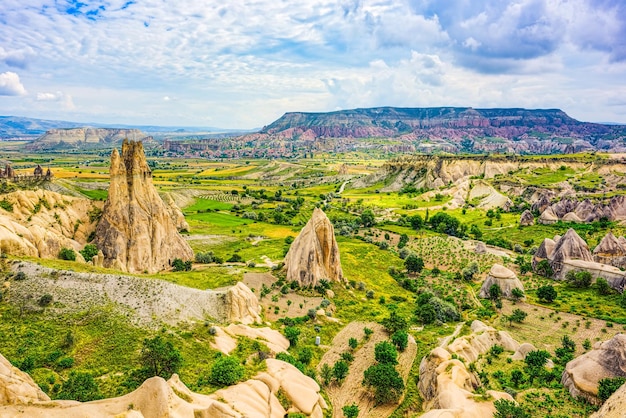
[340, 370]
[413, 263]
[292, 334]
[578, 279]
[89, 252]
[353, 343]
[386, 353]
[509, 409]
[608, 386]
[45, 300]
[400, 339]
[546, 293]
[394, 322]
[386, 381]
[204, 258]
[180, 265]
[159, 358]
[6, 205]
[67, 254]
[350, 411]
[603, 286]
[80, 386]
[235, 258]
[66, 362]
[227, 371]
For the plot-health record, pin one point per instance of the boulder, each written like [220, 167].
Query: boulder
[136, 232]
[314, 254]
[611, 250]
[614, 276]
[548, 217]
[503, 277]
[527, 218]
[583, 374]
[523, 350]
[480, 248]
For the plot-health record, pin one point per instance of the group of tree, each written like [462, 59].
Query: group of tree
[431, 308]
[383, 377]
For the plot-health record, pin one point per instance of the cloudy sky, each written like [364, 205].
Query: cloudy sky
[243, 63]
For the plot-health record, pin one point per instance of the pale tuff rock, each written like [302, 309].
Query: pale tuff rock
[480, 248]
[156, 397]
[571, 210]
[614, 276]
[611, 250]
[614, 406]
[136, 232]
[548, 217]
[243, 305]
[607, 360]
[445, 383]
[503, 277]
[42, 222]
[16, 387]
[570, 247]
[314, 254]
[226, 338]
[527, 218]
[571, 217]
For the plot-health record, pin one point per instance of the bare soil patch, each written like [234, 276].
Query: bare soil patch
[351, 390]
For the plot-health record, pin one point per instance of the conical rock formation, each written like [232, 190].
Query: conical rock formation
[570, 247]
[314, 254]
[527, 218]
[503, 277]
[136, 232]
[611, 250]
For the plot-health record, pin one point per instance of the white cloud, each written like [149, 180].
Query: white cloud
[10, 85]
[59, 97]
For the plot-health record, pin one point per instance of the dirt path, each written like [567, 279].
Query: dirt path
[351, 390]
[446, 340]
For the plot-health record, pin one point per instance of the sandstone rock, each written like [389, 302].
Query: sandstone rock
[548, 217]
[606, 360]
[16, 387]
[611, 251]
[527, 218]
[614, 276]
[523, 350]
[614, 407]
[274, 340]
[175, 213]
[243, 305]
[314, 254]
[136, 232]
[480, 248]
[570, 247]
[503, 277]
[571, 217]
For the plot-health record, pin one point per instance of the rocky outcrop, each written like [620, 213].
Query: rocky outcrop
[136, 232]
[39, 223]
[226, 338]
[445, 383]
[151, 301]
[606, 360]
[256, 397]
[16, 387]
[504, 278]
[548, 217]
[314, 254]
[527, 218]
[611, 250]
[614, 276]
[570, 247]
[571, 210]
[613, 407]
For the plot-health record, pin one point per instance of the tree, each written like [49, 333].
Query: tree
[180, 265]
[386, 381]
[578, 279]
[509, 409]
[413, 263]
[340, 371]
[416, 222]
[385, 353]
[394, 322]
[353, 343]
[495, 292]
[305, 355]
[535, 362]
[227, 371]
[470, 271]
[350, 411]
[544, 268]
[608, 386]
[426, 314]
[476, 232]
[404, 239]
[160, 358]
[517, 377]
[67, 254]
[326, 373]
[80, 386]
[401, 339]
[89, 252]
[603, 286]
[517, 294]
[367, 218]
[546, 293]
[516, 316]
[292, 334]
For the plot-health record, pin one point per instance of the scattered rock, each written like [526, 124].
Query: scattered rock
[503, 277]
[136, 232]
[583, 374]
[314, 254]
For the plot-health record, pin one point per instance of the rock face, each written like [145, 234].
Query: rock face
[136, 232]
[583, 374]
[314, 254]
[256, 397]
[503, 277]
[527, 218]
[611, 250]
[16, 387]
[569, 247]
[447, 386]
[40, 223]
[614, 406]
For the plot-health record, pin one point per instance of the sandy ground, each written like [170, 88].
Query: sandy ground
[351, 390]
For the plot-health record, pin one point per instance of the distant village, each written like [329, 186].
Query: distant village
[9, 174]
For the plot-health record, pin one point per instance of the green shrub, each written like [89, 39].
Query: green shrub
[227, 371]
[80, 386]
[89, 252]
[67, 254]
[6, 205]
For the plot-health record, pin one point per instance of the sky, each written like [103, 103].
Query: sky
[244, 63]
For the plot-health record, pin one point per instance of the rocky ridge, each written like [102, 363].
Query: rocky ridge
[314, 254]
[256, 397]
[136, 232]
[85, 137]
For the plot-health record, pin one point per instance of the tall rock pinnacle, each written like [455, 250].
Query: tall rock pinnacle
[136, 233]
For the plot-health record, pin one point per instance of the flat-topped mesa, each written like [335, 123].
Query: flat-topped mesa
[314, 254]
[136, 232]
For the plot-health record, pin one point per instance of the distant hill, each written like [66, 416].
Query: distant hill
[17, 126]
[454, 129]
[83, 138]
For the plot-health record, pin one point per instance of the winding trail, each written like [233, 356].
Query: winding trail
[444, 342]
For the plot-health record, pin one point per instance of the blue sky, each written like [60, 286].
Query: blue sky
[243, 63]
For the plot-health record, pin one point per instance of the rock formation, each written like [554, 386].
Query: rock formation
[84, 137]
[503, 277]
[611, 250]
[606, 360]
[571, 210]
[314, 254]
[256, 397]
[548, 217]
[613, 407]
[136, 232]
[151, 301]
[40, 223]
[527, 218]
[445, 383]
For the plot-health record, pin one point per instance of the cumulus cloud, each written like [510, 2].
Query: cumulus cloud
[10, 85]
[58, 97]
[16, 58]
